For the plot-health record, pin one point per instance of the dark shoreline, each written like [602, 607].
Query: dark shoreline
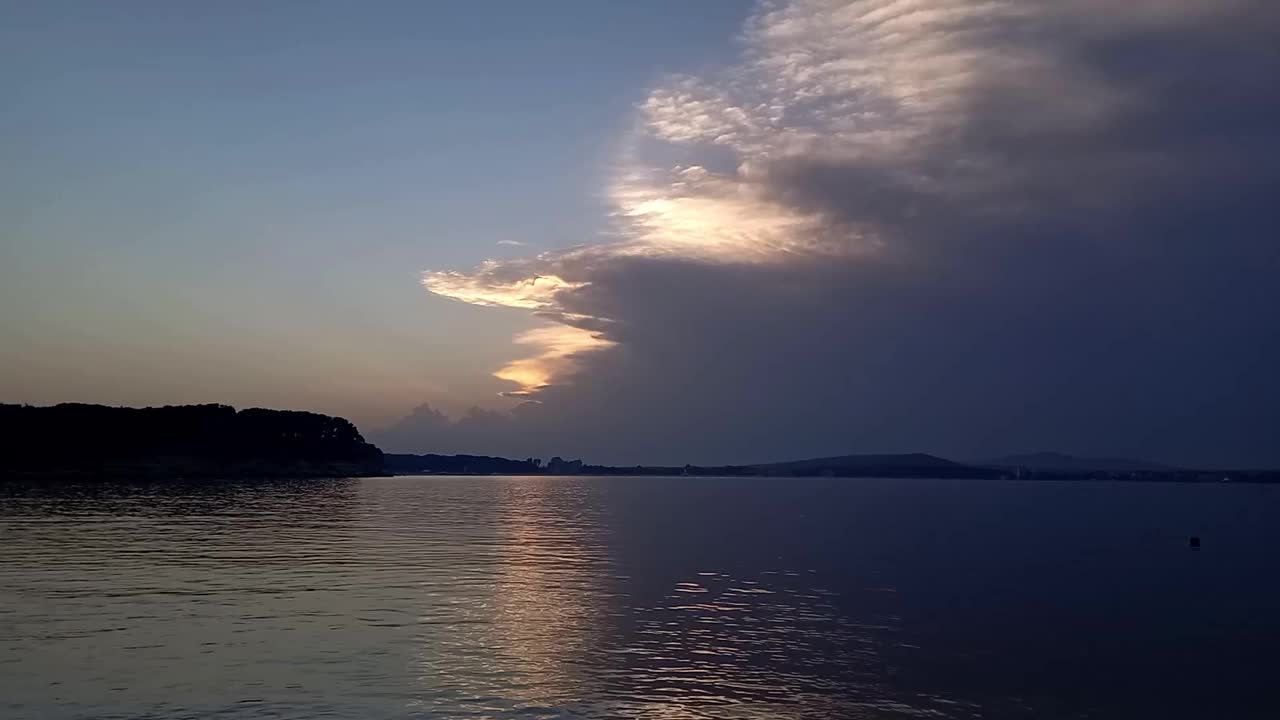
[153, 474]
[149, 477]
[1267, 478]
[903, 466]
[94, 443]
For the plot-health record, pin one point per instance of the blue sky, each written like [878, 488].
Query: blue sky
[234, 201]
[656, 231]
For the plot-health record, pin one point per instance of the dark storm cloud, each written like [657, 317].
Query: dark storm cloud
[953, 226]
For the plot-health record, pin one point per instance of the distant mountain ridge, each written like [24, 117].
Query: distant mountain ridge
[1061, 462]
[217, 441]
[901, 465]
[907, 460]
[410, 464]
[1033, 466]
[879, 465]
[889, 465]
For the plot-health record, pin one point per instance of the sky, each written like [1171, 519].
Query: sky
[656, 232]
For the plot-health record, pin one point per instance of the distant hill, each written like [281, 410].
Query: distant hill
[1060, 462]
[909, 462]
[179, 441]
[405, 464]
[901, 465]
[218, 441]
[1035, 466]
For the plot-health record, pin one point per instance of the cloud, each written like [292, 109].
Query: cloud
[476, 432]
[512, 243]
[953, 225]
[515, 285]
[558, 349]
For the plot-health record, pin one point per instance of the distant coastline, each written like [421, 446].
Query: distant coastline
[80, 441]
[1038, 466]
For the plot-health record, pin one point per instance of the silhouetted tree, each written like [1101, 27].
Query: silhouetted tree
[78, 436]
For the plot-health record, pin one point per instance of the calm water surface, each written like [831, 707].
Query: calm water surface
[639, 598]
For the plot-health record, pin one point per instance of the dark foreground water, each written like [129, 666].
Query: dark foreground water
[655, 598]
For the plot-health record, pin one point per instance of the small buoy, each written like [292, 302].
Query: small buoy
[1194, 542]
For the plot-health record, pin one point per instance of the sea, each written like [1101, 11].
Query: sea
[665, 598]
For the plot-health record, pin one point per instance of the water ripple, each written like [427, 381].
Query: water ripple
[499, 598]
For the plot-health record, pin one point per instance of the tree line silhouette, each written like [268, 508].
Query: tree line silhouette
[81, 437]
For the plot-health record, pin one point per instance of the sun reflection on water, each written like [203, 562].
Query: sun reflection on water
[557, 625]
